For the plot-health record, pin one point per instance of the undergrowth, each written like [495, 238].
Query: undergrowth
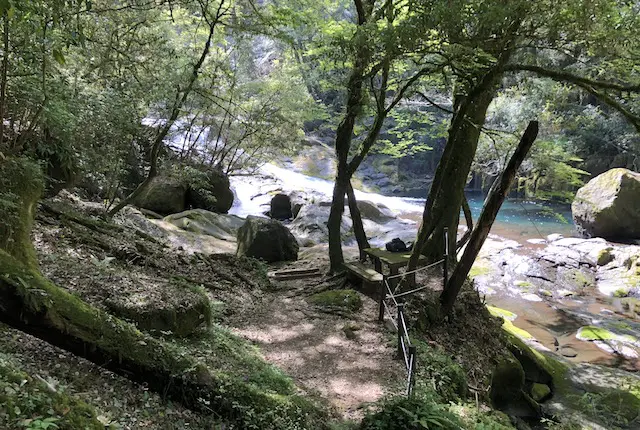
[28, 403]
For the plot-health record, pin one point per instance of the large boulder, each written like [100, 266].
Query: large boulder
[373, 212]
[310, 225]
[212, 193]
[608, 206]
[164, 195]
[281, 207]
[266, 239]
[200, 221]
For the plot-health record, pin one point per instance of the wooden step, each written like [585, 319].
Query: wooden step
[365, 273]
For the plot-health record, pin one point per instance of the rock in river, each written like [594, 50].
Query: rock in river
[609, 205]
[266, 239]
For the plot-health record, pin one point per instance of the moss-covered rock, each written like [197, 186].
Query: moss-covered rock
[164, 195]
[609, 205]
[209, 189]
[182, 312]
[605, 257]
[507, 390]
[202, 221]
[342, 300]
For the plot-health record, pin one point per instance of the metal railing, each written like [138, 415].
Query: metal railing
[388, 298]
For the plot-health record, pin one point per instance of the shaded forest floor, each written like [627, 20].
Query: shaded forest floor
[340, 361]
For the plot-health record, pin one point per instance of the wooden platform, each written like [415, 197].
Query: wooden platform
[366, 274]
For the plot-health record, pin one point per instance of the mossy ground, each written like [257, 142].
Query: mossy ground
[341, 300]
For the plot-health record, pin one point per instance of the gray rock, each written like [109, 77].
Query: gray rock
[609, 205]
[164, 195]
[280, 207]
[266, 239]
[370, 211]
[200, 221]
[310, 226]
[214, 194]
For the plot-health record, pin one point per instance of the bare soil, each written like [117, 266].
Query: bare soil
[348, 360]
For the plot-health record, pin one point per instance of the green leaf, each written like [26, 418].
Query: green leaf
[57, 55]
[5, 6]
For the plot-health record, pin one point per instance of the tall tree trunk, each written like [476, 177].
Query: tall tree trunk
[344, 134]
[3, 73]
[447, 204]
[336, 258]
[490, 210]
[356, 217]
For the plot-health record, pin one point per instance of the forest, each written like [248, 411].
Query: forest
[294, 214]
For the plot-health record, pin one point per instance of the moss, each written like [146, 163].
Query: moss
[516, 331]
[621, 292]
[347, 300]
[524, 285]
[479, 269]
[21, 185]
[556, 369]
[498, 312]
[581, 280]
[540, 391]
[604, 257]
[27, 401]
[438, 371]
[598, 333]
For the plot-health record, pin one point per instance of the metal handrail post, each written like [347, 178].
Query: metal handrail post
[383, 294]
[400, 328]
[445, 263]
[412, 370]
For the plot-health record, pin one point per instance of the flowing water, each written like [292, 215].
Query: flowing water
[517, 219]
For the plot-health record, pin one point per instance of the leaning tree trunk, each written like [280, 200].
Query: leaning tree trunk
[356, 218]
[489, 212]
[466, 210]
[33, 304]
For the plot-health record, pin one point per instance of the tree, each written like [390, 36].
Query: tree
[505, 39]
[212, 17]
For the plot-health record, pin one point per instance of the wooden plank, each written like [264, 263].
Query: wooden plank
[395, 259]
[285, 275]
[363, 272]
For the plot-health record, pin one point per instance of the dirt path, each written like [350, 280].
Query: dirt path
[315, 350]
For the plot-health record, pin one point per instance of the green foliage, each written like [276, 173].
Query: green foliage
[438, 372]
[613, 407]
[28, 403]
[412, 130]
[422, 411]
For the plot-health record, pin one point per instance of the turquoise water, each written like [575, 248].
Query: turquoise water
[527, 219]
